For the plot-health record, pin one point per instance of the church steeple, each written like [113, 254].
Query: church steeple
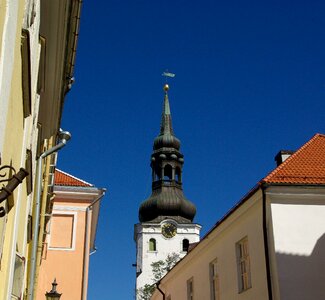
[167, 199]
[166, 138]
[166, 118]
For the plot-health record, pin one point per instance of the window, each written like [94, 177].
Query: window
[28, 166]
[185, 245]
[62, 235]
[178, 174]
[29, 231]
[26, 72]
[18, 277]
[152, 245]
[41, 67]
[168, 173]
[190, 290]
[243, 265]
[3, 222]
[157, 174]
[214, 281]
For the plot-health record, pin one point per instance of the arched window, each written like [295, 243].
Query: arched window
[157, 174]
[186, 244]
[152, 245]
[168, 172]
[178, 175]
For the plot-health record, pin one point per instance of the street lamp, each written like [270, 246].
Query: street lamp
[53, 294]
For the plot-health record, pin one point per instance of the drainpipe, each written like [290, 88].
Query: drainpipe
[266, 246]
[161, 292]
[86, 250]
[64, 136]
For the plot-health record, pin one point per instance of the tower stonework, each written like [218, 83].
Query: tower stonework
[166, 217]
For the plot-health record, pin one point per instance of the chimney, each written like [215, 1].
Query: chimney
[282, 156]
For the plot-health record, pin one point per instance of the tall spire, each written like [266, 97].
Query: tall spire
[167, 199]
[166, 118]
[166, 138]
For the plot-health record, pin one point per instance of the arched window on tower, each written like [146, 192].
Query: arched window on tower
[185, 245]
[178, 175]
[168, 173]
[157, 174]
[152, 245]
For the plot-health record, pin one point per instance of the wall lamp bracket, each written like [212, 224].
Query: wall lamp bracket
[12, 182]
[3, 175]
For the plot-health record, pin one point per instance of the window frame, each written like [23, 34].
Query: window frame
[188, 245]
[154, 245]
[243, 265]
[3, 221]
[41, 66]
[21, 273]
[26, 72]
[214, 280]
[74, 230]
[190, 288]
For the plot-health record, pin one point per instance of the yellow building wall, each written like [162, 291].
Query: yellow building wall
[3, 11]
[12, 153]
[17, 134]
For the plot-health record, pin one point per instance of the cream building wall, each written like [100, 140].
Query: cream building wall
[291, 266]
[220, 245]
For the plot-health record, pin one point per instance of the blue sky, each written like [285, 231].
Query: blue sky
[250, 80]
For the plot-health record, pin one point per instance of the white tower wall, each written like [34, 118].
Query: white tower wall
[164, 246]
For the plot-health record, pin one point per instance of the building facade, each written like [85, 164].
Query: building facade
[166, 217]
[269, 246]
[37, 55]
[70, 237]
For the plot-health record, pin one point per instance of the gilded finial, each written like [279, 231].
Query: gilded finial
[166, 88]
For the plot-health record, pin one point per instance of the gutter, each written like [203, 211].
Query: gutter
[86, 248]
[161, 292]
[266, 246]
[71, 47]
[75, 38]
[65, 136]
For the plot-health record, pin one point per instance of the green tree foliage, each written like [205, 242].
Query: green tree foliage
[146, 292]
[159, 269]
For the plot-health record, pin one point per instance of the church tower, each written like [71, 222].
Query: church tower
[166, 217]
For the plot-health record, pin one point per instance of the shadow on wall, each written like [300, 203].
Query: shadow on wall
[303, 277]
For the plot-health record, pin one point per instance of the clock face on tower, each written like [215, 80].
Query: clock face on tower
[168, 230]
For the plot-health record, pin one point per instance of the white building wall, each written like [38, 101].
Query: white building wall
[145, 231]
[298, 221]
[297, 228]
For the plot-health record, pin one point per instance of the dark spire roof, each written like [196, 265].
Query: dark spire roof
[166, 138]
[166, 118]
[167, 199]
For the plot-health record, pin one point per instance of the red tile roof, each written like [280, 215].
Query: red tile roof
[305, 166]
[65, 179]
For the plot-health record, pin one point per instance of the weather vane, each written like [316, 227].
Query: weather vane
[167, 74]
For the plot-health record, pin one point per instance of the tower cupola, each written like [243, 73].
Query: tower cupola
[167, 199]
